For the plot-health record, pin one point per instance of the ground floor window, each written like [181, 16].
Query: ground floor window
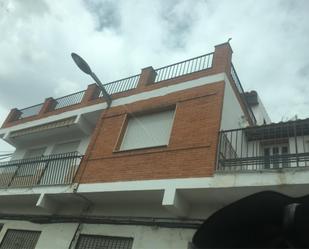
[20, 239]
[103, 242]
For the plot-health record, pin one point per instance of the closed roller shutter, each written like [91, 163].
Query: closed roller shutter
[20, 239]
[148, 130]
[103, 242]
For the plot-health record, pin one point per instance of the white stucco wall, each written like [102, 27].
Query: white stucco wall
[145, 237]
[260, 113]
[61, 235]
[232, 114]
[52, 235]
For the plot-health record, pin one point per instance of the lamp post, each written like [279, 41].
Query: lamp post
[83, 65]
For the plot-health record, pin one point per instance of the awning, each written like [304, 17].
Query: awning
[44, 127]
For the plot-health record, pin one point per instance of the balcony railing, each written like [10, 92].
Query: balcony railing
[242, 93]
[185, 67]
[46, 170]
[267, 147]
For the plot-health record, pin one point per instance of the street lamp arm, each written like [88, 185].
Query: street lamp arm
[83, 66]
[102, 88]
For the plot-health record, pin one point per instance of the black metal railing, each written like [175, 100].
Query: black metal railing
[45, 170]
[242, 93]
[122, 85]
[68, 100]
[185, 67]
[275, 146]
[164, 73]
[30, 111]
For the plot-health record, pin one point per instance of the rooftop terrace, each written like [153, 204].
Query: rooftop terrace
[203, 63]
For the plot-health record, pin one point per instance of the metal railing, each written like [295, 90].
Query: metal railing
[30, 111]
[242, 93]
[275, 146]
[68, 100]
[185, 67]
[122, 85]
[46, 170]
[164, 73]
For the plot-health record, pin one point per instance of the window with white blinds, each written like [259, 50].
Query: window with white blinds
[37, 152]
[66, 147]
[148, 130]
[20, 239]
[100, 242]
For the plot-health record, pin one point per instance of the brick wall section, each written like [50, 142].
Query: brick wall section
[191, 151]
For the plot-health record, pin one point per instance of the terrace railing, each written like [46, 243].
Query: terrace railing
[30, 111]
[267, 147]
[68, 100]
[242, 93]
[39, 171]
[185, 67]
[122, 85]
[164, 73]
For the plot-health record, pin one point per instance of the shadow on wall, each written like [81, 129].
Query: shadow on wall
[263, 220]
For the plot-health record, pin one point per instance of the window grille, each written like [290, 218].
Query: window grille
[20, 239]
[103, 242]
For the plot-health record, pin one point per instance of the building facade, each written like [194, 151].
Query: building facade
[177, 144]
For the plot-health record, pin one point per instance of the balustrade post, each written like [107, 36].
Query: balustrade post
[296, 145]
[13, 116]
[92, 92]
[147, 77]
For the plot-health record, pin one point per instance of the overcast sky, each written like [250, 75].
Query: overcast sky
[270, 40]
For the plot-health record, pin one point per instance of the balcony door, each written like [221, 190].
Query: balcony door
[31, 168]
[61, 168]
[275, 156]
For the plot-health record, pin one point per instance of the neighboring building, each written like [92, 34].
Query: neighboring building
[177, 144]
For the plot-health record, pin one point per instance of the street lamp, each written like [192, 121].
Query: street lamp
[83, 65]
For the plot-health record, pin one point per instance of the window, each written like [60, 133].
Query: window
[104, 242]
[148, 130]
[37, 152]
[66, 147]
[276, 156]
[20, 239]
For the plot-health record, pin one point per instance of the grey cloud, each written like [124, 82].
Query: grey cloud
[179, 20]
[304, 71]
[106, 14]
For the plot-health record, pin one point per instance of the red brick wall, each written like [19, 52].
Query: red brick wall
[191, 151]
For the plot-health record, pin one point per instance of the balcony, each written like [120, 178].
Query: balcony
[268, 147]
[49, 170]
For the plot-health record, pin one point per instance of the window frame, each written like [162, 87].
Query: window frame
[124, 127]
